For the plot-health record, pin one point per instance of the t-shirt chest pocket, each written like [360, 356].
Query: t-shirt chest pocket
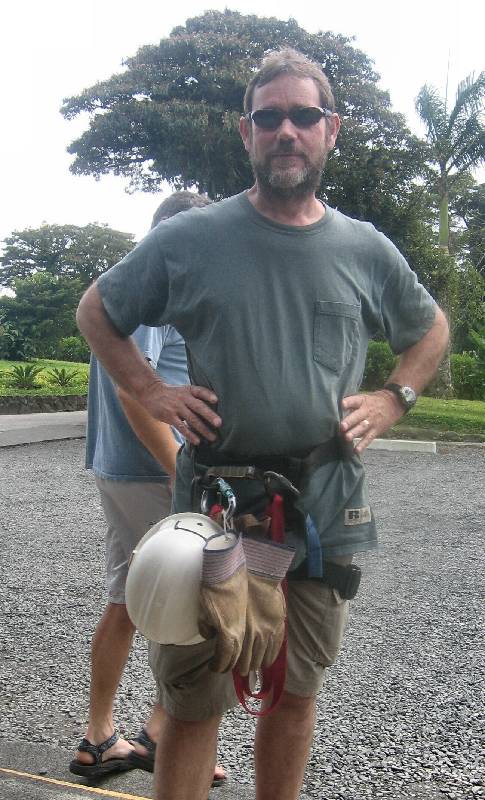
[335, 328]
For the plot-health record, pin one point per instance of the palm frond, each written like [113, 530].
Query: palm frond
[469, 150]
[470, 96]
[432, 111]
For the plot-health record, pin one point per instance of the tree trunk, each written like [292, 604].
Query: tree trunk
[442, 386]
[444, 234]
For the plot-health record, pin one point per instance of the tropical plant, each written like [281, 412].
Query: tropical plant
[456, 139]
[23, 376]
[60, 376]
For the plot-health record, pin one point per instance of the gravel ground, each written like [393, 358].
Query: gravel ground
[401, 714]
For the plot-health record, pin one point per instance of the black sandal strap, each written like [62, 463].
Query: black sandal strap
[145, 740]
[97, 750]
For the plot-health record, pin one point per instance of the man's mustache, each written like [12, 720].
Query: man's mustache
[287, 150]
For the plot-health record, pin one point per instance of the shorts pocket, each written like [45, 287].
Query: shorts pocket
[334, 622]
[335, 329]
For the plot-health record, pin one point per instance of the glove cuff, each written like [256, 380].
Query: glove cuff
[220, 563]
[267, 559]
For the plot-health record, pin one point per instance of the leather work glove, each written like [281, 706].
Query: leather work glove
[223, 599]
[267, 564]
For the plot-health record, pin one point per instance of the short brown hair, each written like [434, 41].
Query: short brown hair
[179, 201]
[289, 62]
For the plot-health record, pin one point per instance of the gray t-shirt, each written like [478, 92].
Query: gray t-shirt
[276, 320]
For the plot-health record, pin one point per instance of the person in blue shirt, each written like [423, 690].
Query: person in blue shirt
[133, 460]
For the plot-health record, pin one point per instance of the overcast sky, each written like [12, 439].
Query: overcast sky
[51, 49]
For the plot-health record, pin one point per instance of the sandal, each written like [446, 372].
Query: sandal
[147, 761]
[137, 759]
[99, 767]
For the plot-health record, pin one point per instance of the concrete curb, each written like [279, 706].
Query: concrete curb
[17, 429]
[405, 445]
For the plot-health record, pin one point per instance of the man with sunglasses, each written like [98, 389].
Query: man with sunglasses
[276, 296]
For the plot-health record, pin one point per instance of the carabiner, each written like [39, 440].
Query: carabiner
[225, 495]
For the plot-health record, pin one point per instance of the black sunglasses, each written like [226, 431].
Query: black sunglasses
[270, 119]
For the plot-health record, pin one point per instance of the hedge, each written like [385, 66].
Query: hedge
[467, 371]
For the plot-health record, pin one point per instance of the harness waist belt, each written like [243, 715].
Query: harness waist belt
[294, 467]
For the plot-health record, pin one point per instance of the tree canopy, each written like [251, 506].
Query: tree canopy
[66, 251]
[48, 268]
[173, 115]
[42, 312]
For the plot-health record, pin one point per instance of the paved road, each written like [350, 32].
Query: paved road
[400, 716]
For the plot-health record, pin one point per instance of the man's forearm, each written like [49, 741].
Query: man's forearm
[418, 364]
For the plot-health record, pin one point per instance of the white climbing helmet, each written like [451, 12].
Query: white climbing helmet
[163, 582]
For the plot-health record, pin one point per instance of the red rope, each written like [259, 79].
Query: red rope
[272, 677]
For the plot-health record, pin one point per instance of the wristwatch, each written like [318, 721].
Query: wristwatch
[404, 394]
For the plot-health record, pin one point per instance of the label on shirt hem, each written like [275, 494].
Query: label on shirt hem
[357, 516]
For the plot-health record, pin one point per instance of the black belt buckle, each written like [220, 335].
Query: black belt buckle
[351, 582]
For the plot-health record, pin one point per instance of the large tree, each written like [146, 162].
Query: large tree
[41, 313]
[173, 115]
[66, 251]
[456, 140]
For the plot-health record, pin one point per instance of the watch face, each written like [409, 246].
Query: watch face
[408, 395]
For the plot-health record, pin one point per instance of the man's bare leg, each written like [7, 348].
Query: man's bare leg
[109, 653]
[185, 758]
[153, 727]
[282, 746]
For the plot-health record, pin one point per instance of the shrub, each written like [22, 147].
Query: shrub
[378, 366]
[61, 377]
[73, 348]
[13, 345]
[23, 376]
[468, 376]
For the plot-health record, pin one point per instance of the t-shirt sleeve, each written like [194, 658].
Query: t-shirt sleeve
[151, 342]
[407, 309]
[135, 291]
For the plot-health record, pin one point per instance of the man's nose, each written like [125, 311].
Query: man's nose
[287, 130]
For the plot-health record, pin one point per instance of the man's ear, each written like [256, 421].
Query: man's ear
[245, 131]
[333, 127]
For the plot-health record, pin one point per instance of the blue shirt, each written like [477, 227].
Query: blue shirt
[113, 450]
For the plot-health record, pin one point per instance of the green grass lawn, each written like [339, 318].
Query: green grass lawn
[459, 416]
[46, 388]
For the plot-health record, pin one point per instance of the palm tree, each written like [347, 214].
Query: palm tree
[456, 142]
[456, 139]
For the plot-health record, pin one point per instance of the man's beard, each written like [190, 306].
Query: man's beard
[287, 184]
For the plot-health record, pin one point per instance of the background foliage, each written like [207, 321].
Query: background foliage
[172, 114]
[49, 268]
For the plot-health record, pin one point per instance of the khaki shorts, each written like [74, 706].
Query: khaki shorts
[317, 617]
[131, 508]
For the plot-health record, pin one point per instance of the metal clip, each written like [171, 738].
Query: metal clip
[282, 483]
[226, 497]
